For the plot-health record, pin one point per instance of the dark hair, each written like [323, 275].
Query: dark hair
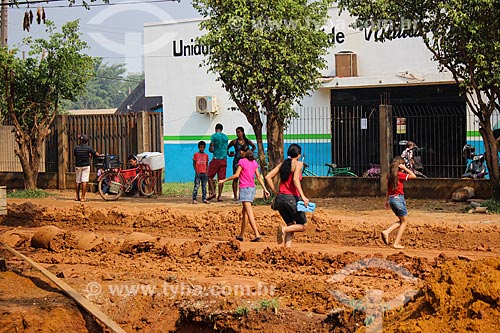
[293, 151]
[247, 142]
[83, 138]
[131, 157]
[202, 144]
[392, 176]
[248, 152]
[219, 126]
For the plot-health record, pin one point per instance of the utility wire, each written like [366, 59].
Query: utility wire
[78, 5]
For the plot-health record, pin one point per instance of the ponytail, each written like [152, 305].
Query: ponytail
[286, 167]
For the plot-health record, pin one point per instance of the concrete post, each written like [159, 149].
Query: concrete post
[385, 137]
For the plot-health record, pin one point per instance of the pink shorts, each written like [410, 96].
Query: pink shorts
[217, 167]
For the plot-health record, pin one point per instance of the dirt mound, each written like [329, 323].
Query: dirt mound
[458, 296]
[38, 307]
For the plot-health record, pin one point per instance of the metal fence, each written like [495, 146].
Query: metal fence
[348, 135]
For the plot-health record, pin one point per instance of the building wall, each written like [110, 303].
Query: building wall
[178, 78]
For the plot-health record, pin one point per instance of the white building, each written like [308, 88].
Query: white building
[359, 71]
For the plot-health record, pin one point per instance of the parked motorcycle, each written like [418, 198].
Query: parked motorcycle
[475, 164]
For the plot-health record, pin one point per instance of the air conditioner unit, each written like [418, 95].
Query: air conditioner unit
[206, 104]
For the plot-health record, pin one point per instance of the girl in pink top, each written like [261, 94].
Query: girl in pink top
[246, 170]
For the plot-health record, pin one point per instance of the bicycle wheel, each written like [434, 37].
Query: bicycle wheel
[147, 185]
[110, 186]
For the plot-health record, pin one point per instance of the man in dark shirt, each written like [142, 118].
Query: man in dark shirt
[82, 154]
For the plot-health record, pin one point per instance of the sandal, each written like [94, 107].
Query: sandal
[239, 238]
[256, 239]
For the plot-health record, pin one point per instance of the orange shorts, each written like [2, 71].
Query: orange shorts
[217, 167]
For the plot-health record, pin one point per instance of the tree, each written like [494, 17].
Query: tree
[107, 89]
[267, 54]
[33, 88]
[464, 38]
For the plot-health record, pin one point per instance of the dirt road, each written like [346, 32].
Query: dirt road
[159, 265]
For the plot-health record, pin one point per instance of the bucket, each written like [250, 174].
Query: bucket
[115, 187]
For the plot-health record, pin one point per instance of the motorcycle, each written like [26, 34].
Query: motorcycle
[475, 164]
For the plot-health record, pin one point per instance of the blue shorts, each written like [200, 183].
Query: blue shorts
[398, 205]
[247, 194]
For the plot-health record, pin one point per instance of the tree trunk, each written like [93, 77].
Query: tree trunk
[275, 140]
[29, 157]
[491, 156]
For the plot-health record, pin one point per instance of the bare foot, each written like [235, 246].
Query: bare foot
[398, 246]
[195, 202]
[385, 237]
[280, 235]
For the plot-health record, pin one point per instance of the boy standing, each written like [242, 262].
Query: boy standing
[218, 164]
[200, 165]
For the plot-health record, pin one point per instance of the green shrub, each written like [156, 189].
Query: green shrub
[29, 194]
[493, 206]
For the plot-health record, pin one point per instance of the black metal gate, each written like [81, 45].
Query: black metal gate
[434, 117]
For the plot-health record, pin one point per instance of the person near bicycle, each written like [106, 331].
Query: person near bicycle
[240, 141]
[132, 164]
[82, 153]
[289, 193]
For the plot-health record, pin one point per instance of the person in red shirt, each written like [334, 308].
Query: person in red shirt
[395, 198]
[290, 191]
[200, 165]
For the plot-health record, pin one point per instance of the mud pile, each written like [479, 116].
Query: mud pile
[458, 296]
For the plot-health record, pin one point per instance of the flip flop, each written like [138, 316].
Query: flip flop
[384, 238]
[256, 239]
[211, 197]
[239, 238]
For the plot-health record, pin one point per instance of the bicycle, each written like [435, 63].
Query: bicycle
[334, 171]
[114, 182]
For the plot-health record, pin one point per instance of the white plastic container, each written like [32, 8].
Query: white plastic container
[155, 160]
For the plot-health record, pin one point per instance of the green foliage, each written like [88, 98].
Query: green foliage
[241, 311]
[493, 205]
[55, 69]
[264, 304]
[32, 88]
[267, 54]
[29, 194]
[177, 189]
[464, 38]
[108, 87]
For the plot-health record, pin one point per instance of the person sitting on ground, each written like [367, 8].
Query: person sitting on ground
[132, 164]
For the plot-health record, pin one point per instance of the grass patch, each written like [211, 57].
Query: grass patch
[264, 304]
[493, 206]
[177, 189]
[241, 311]
[29, 194]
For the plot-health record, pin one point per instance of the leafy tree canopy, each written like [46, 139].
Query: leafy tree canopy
[32, 88]
[267, 54]
[108, 87]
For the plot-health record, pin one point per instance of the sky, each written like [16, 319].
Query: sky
[113, 32]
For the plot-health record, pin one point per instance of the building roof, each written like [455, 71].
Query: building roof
[137, 101]
[90, 111]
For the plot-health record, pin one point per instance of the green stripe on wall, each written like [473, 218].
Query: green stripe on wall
[251, 137]
[473, 134]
